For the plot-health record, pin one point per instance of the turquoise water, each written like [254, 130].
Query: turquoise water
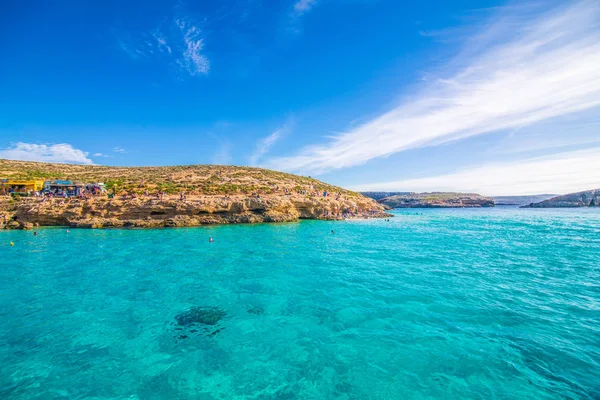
[443, 304]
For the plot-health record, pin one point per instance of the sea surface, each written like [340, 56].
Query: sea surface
[497, 303]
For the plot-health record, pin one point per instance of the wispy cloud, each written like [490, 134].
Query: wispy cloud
[54, 153]
[161, 42]
[542, 67]
[102, 155]
[264, 145]
[119, 149]
[192, 59]
[301, 7]
[559, 173]
[127, 46]
[182, 47]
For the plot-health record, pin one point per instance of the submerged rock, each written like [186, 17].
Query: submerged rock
[200, 315]
[256, 310]
[198, 321]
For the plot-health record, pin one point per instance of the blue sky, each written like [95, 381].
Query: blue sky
[485, 96]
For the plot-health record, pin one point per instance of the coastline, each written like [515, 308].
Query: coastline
[168, 212]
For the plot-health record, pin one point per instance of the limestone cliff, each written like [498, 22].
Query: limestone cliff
[190, 196]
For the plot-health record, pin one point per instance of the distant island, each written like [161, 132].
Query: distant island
[381, 195]
[434, 200]
[587, 198]
[93, 196]
[521, 200]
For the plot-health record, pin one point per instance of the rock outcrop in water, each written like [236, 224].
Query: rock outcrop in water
[588, 198]
[192, 196]
[437, 200]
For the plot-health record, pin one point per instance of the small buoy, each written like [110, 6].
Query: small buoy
[68, 231]
[12, 244]
[211, 240]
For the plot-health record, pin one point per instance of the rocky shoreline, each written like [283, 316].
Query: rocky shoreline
[172, 196]
[149, 212]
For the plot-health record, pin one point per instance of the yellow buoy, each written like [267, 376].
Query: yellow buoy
[12, 244]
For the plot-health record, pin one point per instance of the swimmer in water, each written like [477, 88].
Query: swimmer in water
[211, 240]
[34, 233]
[332, 232]
[68, 231]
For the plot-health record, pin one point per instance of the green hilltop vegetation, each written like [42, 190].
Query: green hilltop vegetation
[191, 179]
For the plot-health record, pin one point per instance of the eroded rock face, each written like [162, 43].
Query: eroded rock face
[26, 225]
[13, 225]
[195, 195]
[147, 212]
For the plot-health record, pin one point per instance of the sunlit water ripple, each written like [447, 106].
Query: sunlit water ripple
[486, 304]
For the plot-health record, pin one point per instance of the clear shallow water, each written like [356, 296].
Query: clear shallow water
[487, 304]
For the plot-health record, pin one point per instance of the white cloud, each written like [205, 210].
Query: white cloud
[119, 149]
[192, 60]
[264, 145]
[162, 42]
[301, 7]
[531, 69]
[102, 155]
[560, 173]
[131, 49]
[182, 47]
[54, 153]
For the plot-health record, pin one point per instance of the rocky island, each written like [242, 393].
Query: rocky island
[521, 200]
[174, 196]
[380, 195]
[588, 198]
[437, 200]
